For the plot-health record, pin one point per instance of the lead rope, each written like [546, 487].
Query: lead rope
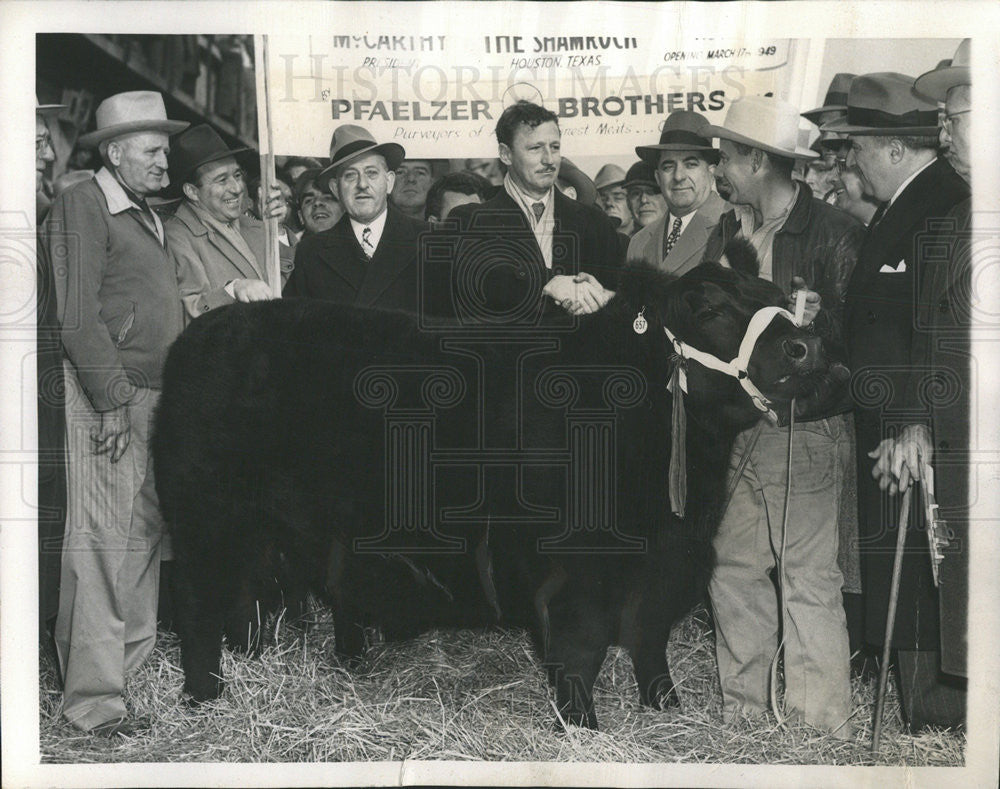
[779, 651]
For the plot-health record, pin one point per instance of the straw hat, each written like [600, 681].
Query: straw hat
[885, 103]
[766, 123]
[350, 142]
[936, 83]
[127, 113]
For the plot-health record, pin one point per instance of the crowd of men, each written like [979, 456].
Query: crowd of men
[843, 225]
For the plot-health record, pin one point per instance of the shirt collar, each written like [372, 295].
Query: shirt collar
[907, 182]
[210, 221]
[685, 220]
[118, 199]
[377, 225]
[523, 199]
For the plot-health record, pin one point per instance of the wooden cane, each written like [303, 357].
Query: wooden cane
[890, 619]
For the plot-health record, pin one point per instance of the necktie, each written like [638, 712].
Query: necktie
[538, 209]
[366, 242]
[670, 240]
[879, 213]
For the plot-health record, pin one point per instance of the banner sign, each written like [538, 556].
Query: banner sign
[440, 95]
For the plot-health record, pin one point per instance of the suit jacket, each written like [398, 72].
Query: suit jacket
[332, 266]
[881, 311]
[496, 249]
[688, 250]
[206, 260]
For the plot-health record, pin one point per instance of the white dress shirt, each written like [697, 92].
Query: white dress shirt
[377, 225]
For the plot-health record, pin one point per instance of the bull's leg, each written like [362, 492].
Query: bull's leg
[349, 635]
[652, 673]
[242, 617]
[576, 644]
[199, 623]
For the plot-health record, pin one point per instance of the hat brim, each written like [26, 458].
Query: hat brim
[936, 84]
[394, 154]
[182, 177]
[819, 112]
[843, 127]
[608, 185]
[725, 134]
[653, 184]
[651, 153]
[109, 133]
[49, 109]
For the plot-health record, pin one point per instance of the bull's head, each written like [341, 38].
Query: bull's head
[708, 314]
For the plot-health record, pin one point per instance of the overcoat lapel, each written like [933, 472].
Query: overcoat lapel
[393, 254]
[342, 253]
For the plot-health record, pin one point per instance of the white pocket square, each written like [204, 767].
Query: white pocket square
[899, 269]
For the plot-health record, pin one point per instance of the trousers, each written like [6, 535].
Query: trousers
[106, 625]
[745, 601]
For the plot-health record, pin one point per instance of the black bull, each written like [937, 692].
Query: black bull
[415, 480]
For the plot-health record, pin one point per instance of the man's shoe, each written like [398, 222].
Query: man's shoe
[121, 727]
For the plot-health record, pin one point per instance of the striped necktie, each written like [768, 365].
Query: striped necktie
[670, 240]
[538, 209]
[366, 242]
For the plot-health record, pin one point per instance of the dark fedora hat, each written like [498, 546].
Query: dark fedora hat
[641, 174]
[350, 142]
[683, 130]
[836, 97]
[191, 149]
[885, 103]
[572, 175]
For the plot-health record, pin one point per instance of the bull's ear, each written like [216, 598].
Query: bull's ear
[742, 257]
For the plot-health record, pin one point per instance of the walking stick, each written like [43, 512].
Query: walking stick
[890, 619]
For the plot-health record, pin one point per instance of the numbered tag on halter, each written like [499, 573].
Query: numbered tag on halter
[639, 325]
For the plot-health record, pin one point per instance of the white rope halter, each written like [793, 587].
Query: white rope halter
[737, 368]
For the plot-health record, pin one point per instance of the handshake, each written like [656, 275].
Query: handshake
[578, 295]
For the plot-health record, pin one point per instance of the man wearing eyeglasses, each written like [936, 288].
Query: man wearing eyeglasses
[219, 251]
[939, 439]
[894, 142]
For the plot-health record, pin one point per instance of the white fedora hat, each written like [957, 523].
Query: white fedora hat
[936, 83]
[763, 122]
[130, 112]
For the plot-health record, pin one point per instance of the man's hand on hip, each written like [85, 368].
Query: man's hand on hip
[114, 434]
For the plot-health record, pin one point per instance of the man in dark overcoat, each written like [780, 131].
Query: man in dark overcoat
[369, 258]
[894, 138]
[530, 250]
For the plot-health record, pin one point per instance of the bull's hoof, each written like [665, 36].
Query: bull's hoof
[668, 700]
[581, 719]
[663, 697]
[196, 696]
